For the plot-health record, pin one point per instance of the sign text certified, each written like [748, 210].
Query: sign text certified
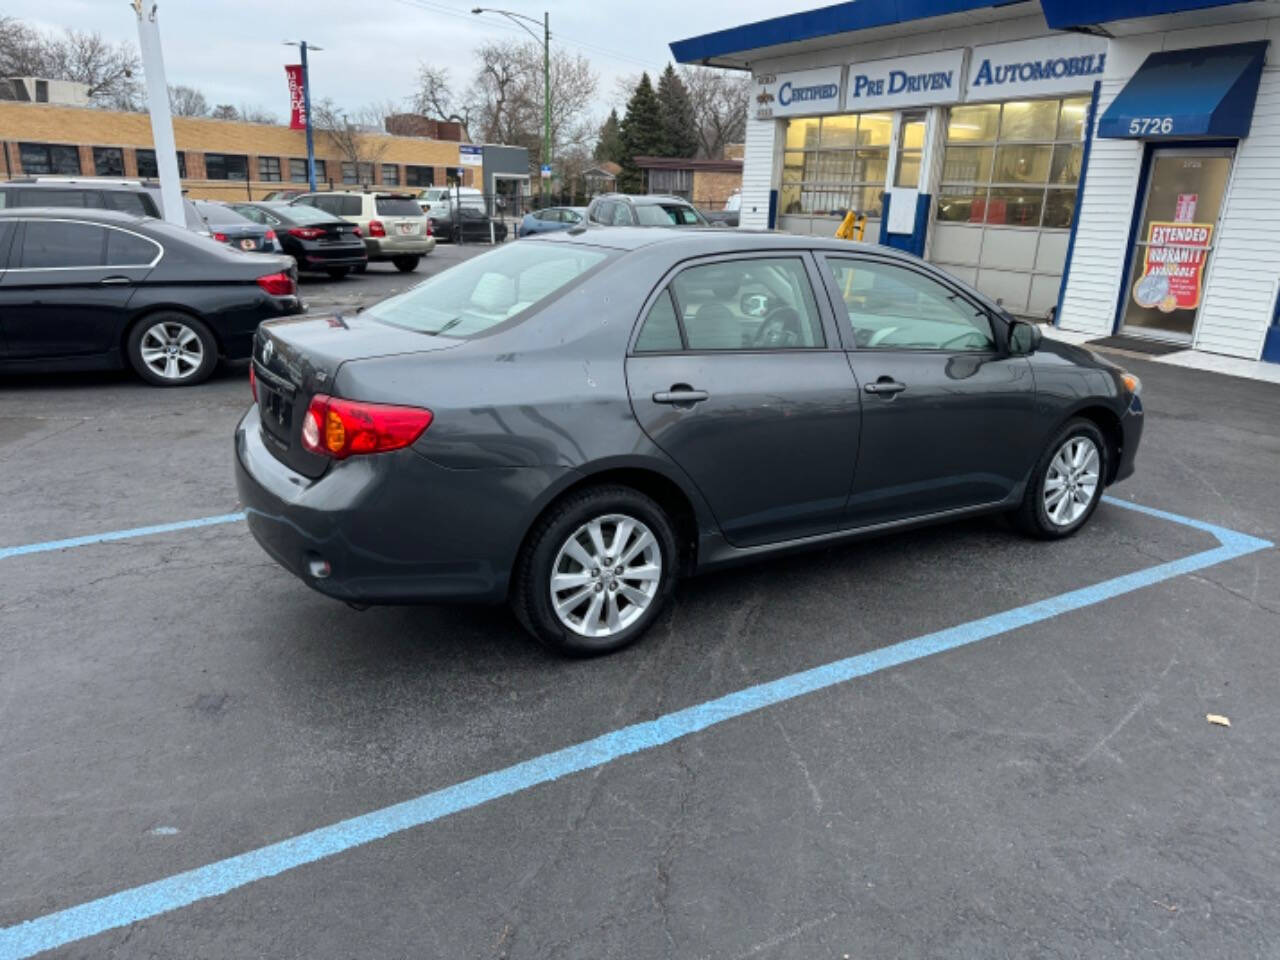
[805, 92]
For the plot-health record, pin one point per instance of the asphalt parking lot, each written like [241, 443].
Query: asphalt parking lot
[1039, 784]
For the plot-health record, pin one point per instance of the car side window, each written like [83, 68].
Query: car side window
[622, 215]
[352, 206]
[55, 198]
[748, 304]
[895, 308]
[602, 212]
[661, 330]
[126, 249]
[253, 213]
[62, 243]
[125, 202]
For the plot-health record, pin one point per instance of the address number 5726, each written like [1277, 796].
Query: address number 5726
[1145, 126]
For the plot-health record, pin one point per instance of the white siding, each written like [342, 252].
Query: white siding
[1102, 233]
[758, 161]
[1240, 292]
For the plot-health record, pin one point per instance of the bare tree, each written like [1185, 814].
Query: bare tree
[225, 111]
[187, 102]
[110, 72]
[256, 114]
[354, 136]
[720, 102]
[435, 97]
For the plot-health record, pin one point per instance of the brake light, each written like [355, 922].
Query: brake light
[271, 235]
[429, 233]
[338, 428]
[376, 229]
[356, 231]
[220, 237]
[278, 284]
[306, 233]
[253, 382]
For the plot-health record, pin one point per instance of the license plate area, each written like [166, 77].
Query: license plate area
[406, 229]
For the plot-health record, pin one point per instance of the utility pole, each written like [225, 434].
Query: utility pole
[546, 79]
[306, 107]
[158, 106]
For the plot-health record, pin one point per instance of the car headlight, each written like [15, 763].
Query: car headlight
[1131, 382]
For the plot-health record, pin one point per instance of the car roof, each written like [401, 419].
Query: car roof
[72, 213]
[700, 241]
[644, 198]
[78, 183]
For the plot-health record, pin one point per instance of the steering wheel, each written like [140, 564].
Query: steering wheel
[781, 328]
[978, 344]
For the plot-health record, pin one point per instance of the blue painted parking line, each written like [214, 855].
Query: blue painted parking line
[111, 535]
[180, 890]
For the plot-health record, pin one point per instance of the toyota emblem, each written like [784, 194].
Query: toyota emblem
[268, 351]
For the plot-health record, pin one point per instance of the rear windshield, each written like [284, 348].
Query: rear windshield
[397, 207]
[216, 213]
[483, 292]
[666, 215]
[301, 213]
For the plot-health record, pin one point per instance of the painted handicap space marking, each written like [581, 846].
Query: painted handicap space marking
[76, 923]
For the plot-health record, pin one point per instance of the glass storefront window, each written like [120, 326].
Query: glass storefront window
[834, 164]
[1003, 161]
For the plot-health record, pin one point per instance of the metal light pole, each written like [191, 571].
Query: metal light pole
[306, 107]
[546, 78]
[158, 106]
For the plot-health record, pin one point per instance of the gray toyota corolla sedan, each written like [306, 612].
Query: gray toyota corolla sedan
[571, 423]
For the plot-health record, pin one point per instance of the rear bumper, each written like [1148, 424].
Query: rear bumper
[384, 248]
[394, 528]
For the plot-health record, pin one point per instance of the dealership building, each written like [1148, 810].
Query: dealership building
[1114, 164]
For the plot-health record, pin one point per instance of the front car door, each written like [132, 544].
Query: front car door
[68, 287]
[948, 414]
[737, 376]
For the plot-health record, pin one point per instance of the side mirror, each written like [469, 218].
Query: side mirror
[1024, 338]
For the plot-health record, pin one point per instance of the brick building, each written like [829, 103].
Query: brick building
[217, 159]
[705, 183]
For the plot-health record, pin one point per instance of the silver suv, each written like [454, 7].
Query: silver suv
[650, 210]
[392, 224]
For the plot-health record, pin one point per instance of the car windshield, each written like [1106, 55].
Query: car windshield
[483, 292]
[216, 213]
[301, 213]
[397, 207]
[666, 215]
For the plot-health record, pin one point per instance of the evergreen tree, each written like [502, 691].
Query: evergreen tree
[641, 134]
[609, 146]
[679, 126]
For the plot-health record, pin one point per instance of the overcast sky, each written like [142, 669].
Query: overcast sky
[231, 49]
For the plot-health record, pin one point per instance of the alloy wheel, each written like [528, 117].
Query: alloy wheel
[606, 575]
[172, 350]
[1072, 481]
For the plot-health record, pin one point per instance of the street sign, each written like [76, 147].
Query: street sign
[546, 171]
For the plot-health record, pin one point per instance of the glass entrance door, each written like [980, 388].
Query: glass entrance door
[1175, 240]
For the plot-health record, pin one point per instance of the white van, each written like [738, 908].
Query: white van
[438, 201]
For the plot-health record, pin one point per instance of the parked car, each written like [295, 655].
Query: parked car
[470, 226]
[650, 210]
[572, 422]
[97, 289]
[729, 215]
[550, 220]
[443, 199]
[237, 231]
[392, 224]
[128, 196]
[316, 240]
[283, 195]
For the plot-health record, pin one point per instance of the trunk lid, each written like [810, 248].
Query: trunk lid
[298, 357]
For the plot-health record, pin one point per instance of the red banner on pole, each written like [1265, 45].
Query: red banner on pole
[297, 102]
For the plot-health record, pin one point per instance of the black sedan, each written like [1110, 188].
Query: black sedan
[94, 290]
[235, 230]
[468, 225]
[316, 240]
[572, 422]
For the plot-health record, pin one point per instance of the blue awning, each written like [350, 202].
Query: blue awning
[1200, 92]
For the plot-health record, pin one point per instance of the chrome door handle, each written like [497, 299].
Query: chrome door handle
[115, 280]
[885, 387]
[680, 396]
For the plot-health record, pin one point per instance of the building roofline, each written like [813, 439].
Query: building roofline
[688, 163]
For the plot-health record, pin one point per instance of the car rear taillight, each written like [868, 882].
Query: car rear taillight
[253, 382]
[429, 233]
[376, 229]
[271, 235]
[356, 231]
[220, 237]
[306, 233]
[338, 428]
[278, 284]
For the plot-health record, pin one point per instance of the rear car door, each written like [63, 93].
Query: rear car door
[68, 287]
[7, 229]
[948, 414]
[737, 375]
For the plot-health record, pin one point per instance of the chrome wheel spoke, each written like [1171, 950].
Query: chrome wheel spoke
[569, 581]
[596, 599]
[571, 603]
[642, 573]
[1071, 481]
[642, 542]
[596, 533]
[621, 534]
[574, 549]
[637, 597]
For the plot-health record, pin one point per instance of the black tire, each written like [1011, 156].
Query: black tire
[173, 321]
[406, 264]
[337, 273]
[1032, 516]
[363, 267]
[531, 586]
